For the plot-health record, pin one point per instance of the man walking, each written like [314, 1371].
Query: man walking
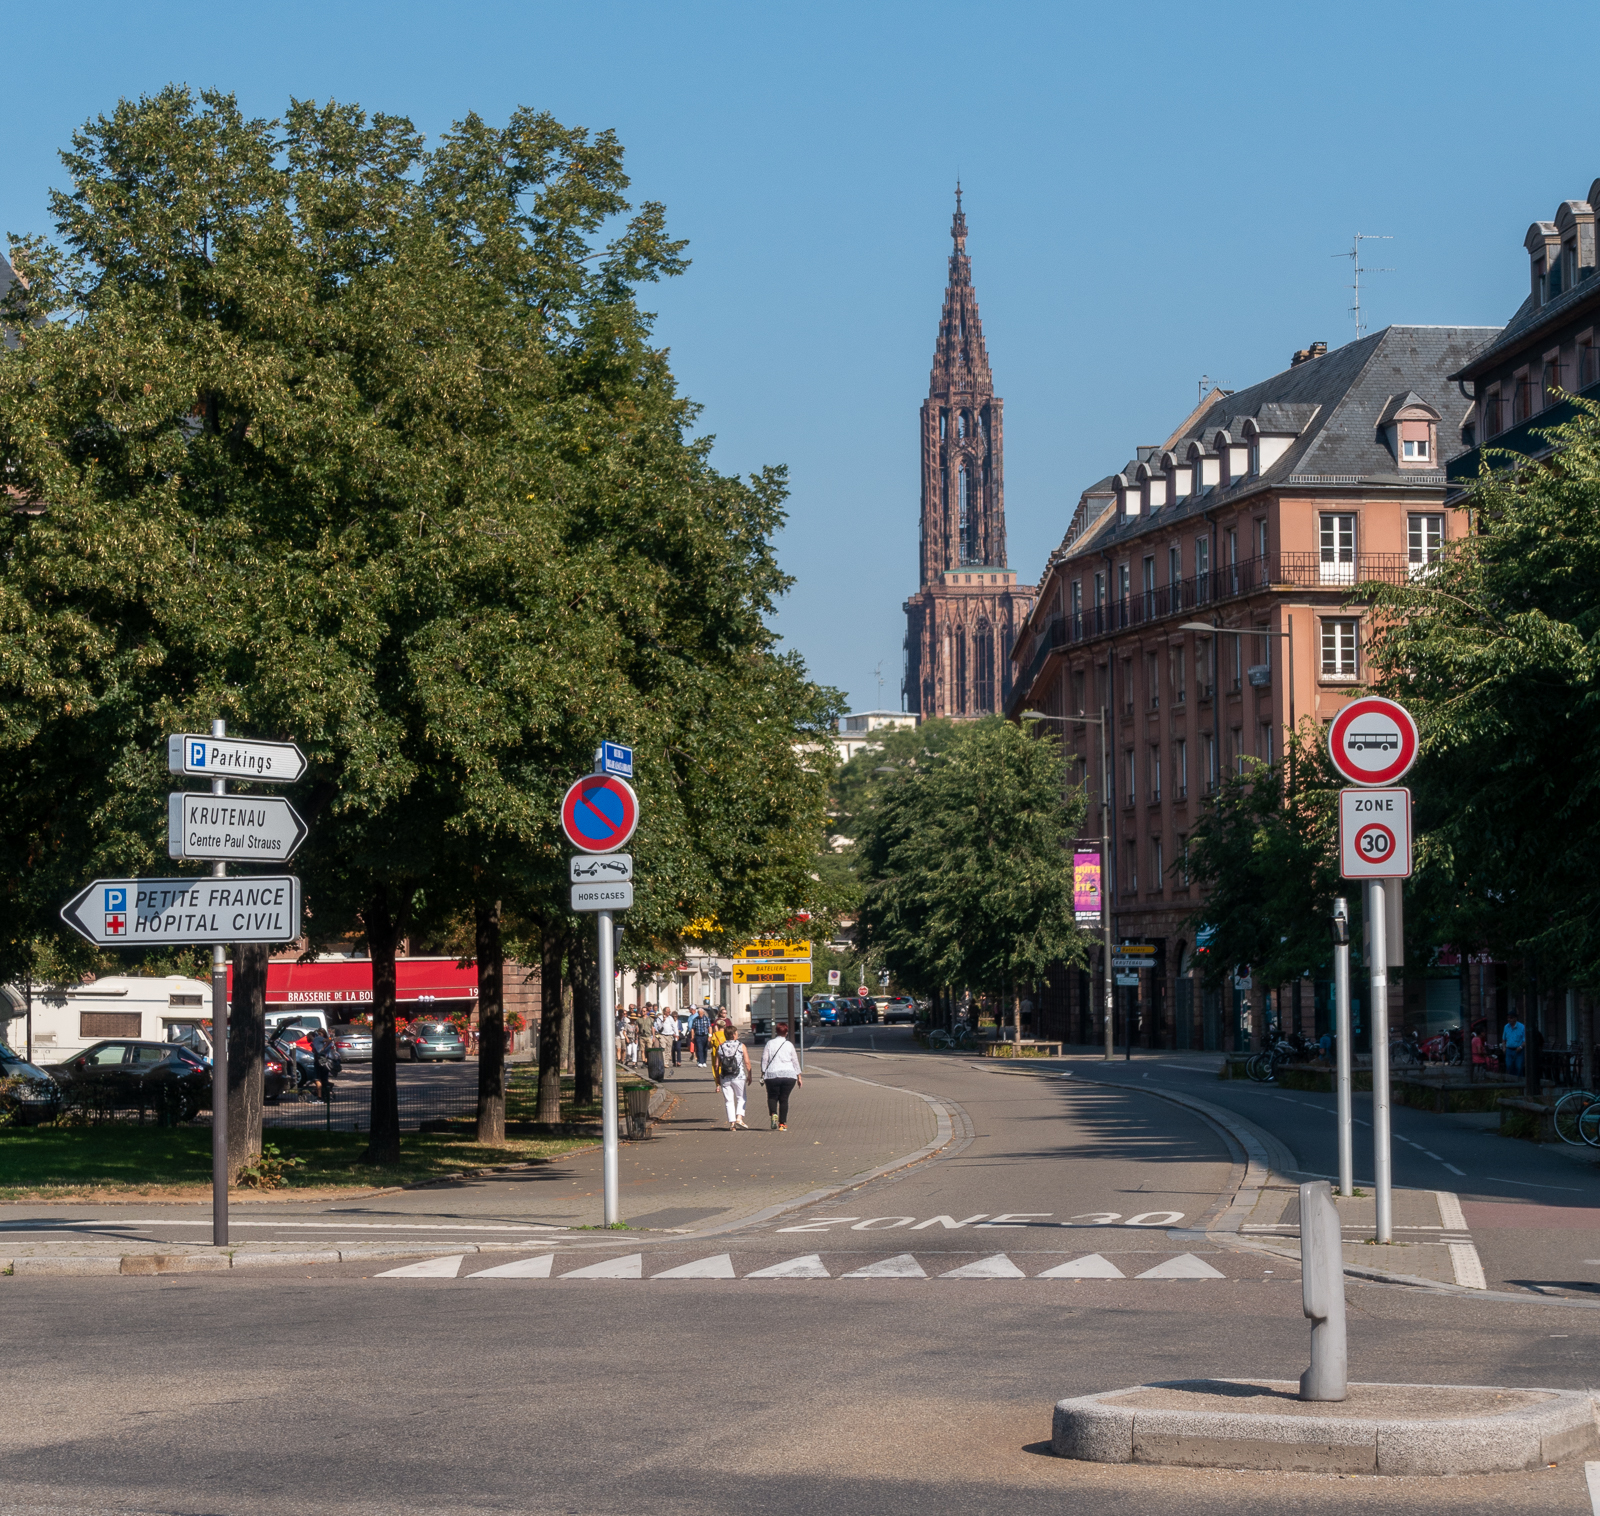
[780, 1072]
[700, 1035]
[1514, 1040]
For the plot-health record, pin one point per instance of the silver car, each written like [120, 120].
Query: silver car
[354, 1043]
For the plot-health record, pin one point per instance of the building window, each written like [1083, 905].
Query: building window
[1150, 588]
[1174, 571]
[1158, 873]
[1236, 750]
[1155, 775]
[1210, 740]
[1493, 409]
[1099, 590]
[1076, 602]
[1552, 381]
[1180, 769]
[1130, 886]
[1339, 647]
[1415, 449]
[1183, 862]
[1522, 399]
[1264, 742]
[1128, 770]
[1124, 580]
[1237, 644]
[1202, 569]
[1424, 538]
[1127, 686]
[1176, 662]
[1077, 692]
[1152, 679]
[1233, 560]
[1338, 543]
[1261, 538]
[1588, 370]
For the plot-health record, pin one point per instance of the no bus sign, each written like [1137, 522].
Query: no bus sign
[1373, 741]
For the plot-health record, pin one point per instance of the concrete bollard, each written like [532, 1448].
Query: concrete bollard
[1322, 1292]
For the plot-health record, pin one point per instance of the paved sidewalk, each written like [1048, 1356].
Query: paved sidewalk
[691, 1175]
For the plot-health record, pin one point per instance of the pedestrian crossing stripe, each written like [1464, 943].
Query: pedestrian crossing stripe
[807, 1266]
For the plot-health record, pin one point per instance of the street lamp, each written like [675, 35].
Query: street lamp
[1207, 629]
[1105, 865]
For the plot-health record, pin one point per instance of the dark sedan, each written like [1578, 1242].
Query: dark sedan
[166, 1077]
[28, 1095]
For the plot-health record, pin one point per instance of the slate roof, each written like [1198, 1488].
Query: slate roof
[1344, 393]
[1530, 317]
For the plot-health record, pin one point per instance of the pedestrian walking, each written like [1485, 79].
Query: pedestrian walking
[1514, 1039]
[780, 1072]
[733, 1075]
[700, 1035]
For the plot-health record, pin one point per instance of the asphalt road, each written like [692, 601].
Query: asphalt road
[330, 1389]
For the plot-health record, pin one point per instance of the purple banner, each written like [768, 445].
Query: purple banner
[1086, 886]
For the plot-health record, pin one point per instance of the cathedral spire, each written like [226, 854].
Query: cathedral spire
[960, 358]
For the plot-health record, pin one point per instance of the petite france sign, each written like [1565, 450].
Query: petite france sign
[1373, 741]
[599, 813]
[117, 913]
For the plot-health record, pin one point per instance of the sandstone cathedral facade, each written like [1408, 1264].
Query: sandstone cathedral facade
[963, 619]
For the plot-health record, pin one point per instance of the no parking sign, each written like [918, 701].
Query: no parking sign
[599, 813]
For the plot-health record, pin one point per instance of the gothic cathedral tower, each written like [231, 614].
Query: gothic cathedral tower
[961, 623]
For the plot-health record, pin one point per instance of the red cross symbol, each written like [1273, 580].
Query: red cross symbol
[116, 924]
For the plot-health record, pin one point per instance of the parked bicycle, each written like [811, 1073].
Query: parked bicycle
[1572, 1111]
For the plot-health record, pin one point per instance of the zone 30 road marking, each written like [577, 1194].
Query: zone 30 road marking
[1040, 1219]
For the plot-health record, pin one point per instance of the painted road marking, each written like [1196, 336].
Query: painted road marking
[901, 1266]
[998, 1267]
[1467, 1265]
[1450, 1212]
[1184, 1266]
[429, 1268]
[808, 1267]
[524, 1268]
[720, 1266]
[1035, 1220]
[1092, 1266]
[630, 1266]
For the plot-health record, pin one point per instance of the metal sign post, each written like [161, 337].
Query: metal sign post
[219, 1056]
[1342, 1047]
[610, 1115]
[1378, 969]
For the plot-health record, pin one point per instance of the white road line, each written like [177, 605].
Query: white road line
[998, 1267]
[809, 1266]
[901, 1266]
[332, 1226]
[719, 1266]
[429, 1268]
[629, 1267]
[1524, 1184]
[1184, 1266]
[537, 1267]
[1460, 1173]
[1091, 1266]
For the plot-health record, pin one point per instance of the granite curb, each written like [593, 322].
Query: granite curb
[1541, 1427]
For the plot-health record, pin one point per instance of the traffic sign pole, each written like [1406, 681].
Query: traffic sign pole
[1379, 1019]
[1342, 1049]
[610, 1115]
[219, 1057]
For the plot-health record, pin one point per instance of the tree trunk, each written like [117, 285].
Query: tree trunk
[1016, 1020]
[383, 1142]
[552, 1024]
[585, 1030]
[247, 1042]
[569, 1059]
[491, 1025]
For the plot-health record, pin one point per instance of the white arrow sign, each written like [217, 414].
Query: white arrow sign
[234, 758]
[602, 897]
[598, 868]
[154, 912]
[249, 828]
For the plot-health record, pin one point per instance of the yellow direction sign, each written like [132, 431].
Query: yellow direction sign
[772, 973]
[773, 952]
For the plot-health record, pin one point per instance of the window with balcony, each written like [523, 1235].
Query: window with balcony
[1493, 409]
[1233, 560]
[1338, 548]
[1099, 590]
[1174, 570]
[1158, 872]
[1551, 381]
[1236, 750]
[1236, 646]
[1152, 680]
[1264, 742]
[1075, 602]
[1523, 399]
[1424, 539]
[1261, 537]
[1202, 569]
[1339, 647]
[1180, 769]
[1588, 368]
[1150, 588]
[1124, 582]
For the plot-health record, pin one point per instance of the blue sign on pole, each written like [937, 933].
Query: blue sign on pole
[616, 759]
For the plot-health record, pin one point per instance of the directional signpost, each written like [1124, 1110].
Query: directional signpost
[234, 758]
[1373, 742]
[241, 828]
[129, 913]
[772, 973]
[598, 815]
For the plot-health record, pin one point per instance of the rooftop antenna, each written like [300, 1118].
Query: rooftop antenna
[878, 674]
[1354, 255]
[1207, 384]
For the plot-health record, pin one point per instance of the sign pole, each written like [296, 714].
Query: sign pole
[219, 1057]
[1378, 969]
[608, 1065]
[1341, 1031]
[1105, 884]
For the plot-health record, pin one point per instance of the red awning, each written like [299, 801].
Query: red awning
[349, 982]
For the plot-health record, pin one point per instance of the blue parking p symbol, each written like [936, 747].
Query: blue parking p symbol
[117, 899]
[197, 755]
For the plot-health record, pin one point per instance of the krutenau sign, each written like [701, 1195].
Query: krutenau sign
[1373, 741]
[248, 828]
[165, 912]
[234, 758]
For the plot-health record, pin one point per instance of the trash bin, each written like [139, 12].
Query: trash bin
[638, 1114]
[656, 1061]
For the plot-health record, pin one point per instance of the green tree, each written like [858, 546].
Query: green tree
[966, 854]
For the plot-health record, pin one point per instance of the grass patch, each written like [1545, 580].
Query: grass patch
[58, 1163]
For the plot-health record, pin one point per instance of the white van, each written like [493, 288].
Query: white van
[69, 1018]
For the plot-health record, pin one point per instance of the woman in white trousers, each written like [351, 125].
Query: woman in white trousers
[733, 1074]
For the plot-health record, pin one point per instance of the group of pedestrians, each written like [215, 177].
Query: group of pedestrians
[780, 1073]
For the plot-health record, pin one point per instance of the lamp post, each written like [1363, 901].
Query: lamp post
[1105, 865]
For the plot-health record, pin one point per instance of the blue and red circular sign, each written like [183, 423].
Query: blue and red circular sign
[599, 813]
[1373, 741]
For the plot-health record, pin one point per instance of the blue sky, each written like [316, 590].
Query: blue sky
[1154, 192]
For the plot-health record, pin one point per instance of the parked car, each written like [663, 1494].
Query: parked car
[274, 1078]
[354, 1043]
[122, 1075]
[898, 1008]
[435, 1041]
[825, 1008]
[28, 1095]
[306, 1018]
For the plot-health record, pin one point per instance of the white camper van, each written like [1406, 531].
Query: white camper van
[67, 1018]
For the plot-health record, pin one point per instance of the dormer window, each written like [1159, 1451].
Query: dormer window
[1410, 428]
[1415, 449]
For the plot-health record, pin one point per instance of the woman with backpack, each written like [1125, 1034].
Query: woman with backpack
[733, 1072]
[780, 1072]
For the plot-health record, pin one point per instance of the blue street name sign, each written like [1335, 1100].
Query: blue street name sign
[616, 759]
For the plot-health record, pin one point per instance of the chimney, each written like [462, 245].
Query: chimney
[1306, 354]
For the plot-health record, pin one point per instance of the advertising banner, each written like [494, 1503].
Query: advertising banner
[1086, 887]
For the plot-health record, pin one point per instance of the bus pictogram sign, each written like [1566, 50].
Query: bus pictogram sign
[1375, 834]
[599, 813]
[1373, 741]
